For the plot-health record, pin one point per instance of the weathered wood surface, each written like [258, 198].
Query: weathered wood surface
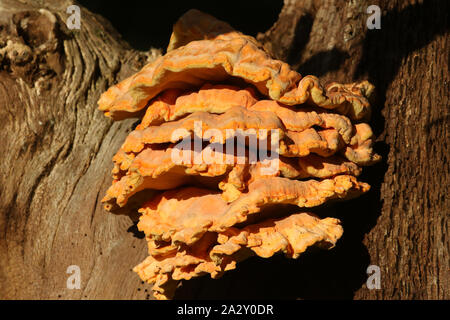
[56, 150]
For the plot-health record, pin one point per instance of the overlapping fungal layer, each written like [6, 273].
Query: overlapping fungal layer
[205, 206]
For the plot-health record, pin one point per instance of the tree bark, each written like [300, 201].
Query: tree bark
[56, 150]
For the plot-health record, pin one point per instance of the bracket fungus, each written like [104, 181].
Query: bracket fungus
[232, 147]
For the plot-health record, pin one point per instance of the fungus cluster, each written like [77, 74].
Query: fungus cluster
[232, 147]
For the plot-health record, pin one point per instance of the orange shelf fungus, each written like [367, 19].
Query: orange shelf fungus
[233, 146]
[215, 254]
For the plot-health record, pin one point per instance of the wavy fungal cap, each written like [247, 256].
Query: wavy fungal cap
[234, 153]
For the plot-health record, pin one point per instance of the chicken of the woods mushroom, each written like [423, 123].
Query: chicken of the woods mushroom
[230, 141]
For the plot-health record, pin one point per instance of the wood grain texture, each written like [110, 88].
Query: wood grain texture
[56, 157]
[56, 150]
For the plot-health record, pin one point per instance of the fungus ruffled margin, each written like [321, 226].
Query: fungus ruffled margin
[203, 218]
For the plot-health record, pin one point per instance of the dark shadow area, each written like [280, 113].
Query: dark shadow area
[135, 231]
[323, 62]
[146, 24]
[301, 38]
[319, 64]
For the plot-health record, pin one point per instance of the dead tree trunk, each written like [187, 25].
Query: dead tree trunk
[56, 151]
